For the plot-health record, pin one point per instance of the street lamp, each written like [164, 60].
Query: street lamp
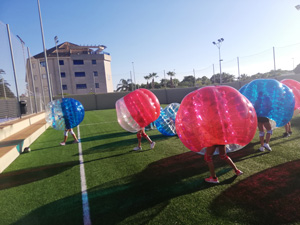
[133, 75]
[59, 74]
[218, 44]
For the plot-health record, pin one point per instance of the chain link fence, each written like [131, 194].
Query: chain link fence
[17, 99]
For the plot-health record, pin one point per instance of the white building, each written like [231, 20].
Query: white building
[83, 70]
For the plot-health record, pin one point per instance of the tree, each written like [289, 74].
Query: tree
[171, 74]
[152, 75]
[226, 78]
[147, 78]
[5, 90]
[125, 85]
[297, 69]
[163, 82]
[188, 81]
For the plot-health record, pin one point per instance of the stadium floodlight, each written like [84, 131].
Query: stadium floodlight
[218, 44]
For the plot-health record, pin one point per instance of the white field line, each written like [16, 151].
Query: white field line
[84, 194]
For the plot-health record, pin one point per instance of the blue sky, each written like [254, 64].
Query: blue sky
[161, 35]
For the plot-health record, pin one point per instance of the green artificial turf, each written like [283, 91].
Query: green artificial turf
[160, 186]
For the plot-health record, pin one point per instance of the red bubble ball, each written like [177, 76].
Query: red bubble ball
[143, 106]
[295, 86]
[215, 115]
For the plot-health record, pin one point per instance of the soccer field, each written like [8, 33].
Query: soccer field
[111, 184]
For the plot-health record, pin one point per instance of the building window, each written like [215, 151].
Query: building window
[63, 74]
[94, 61]
[95, 73]
[36, 89]
[80, 86]
[79, 74]
[61, 62]
[65, 87]
[33, 65]
[35, 77]
[44, 76]
[78, 62]
[43, 63]
[96, 85]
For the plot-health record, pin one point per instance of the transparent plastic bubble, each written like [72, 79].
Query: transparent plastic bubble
[137, 110]
[215, 115]
[171, 110]
[295, 86]
[271, 99]
[164, 124]
[64, 113]
[229, 148]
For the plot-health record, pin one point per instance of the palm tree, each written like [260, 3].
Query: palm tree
[171, 74]
[147, 78]
[4, 87]
[125, 85]
[153, 75]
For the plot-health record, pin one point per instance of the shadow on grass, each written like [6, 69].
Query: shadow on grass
[20, 177]
[122, 145]
[127, 198]
[135, 199]
[269, 197]
[105, 136]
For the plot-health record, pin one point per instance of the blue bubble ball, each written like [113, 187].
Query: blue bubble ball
[270, 99]
[171, 110]
[164, 124]
[64, 113]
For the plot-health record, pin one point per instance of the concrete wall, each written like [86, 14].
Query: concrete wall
[165, 96]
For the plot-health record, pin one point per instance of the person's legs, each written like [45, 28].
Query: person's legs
[139, 137]
[65, 137]
[261, 135]
[224, 156]
[269, 131]
[289, 126]
[152, 144]
[74, 136]
[268, 135]
[208, 158]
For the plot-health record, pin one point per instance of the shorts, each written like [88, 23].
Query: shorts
[262, 119]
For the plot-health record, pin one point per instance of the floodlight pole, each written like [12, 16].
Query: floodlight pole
[45, 53]
[218, 44]
[59, 74]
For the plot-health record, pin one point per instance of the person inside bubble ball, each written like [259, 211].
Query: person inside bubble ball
[66, 136]
[263, 123]
[222, 153]
[141, 133]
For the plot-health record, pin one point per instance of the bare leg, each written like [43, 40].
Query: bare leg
[268, 136]
[210, 151]
[222, 151]
[261, 129]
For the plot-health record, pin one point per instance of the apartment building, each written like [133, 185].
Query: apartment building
[75, 70]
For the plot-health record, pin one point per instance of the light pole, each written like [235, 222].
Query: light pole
[45, 53]
[133, 75]
[57, 57]
[218, 44]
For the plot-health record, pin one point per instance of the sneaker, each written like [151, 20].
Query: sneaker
[286, 135]
[212, 180]
[152, 145]
[290, 133]
[262, 149]
[267, 146]
[137, 148]
[76, 141]
[62, 143]
[238, 172]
